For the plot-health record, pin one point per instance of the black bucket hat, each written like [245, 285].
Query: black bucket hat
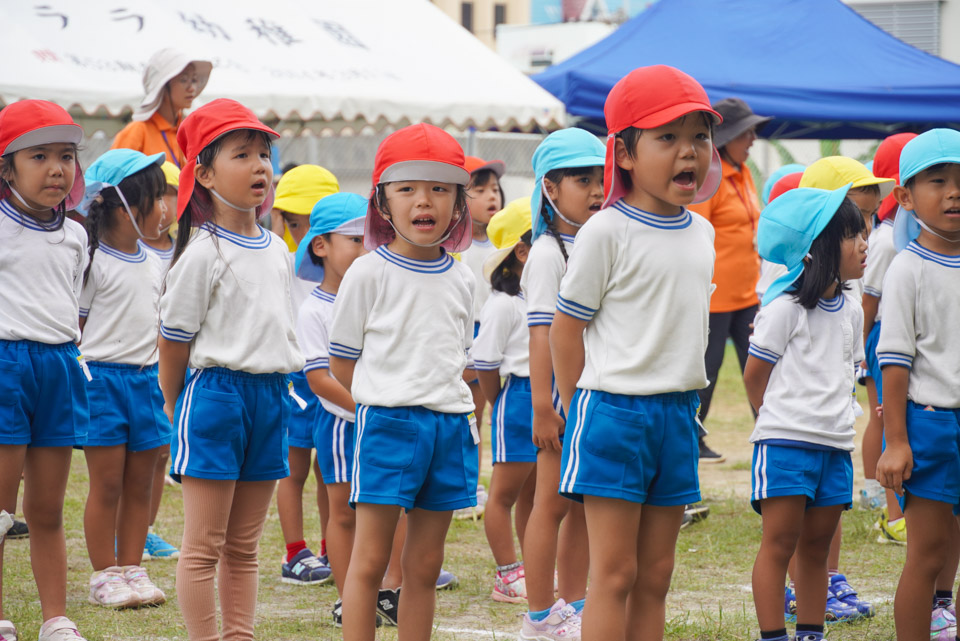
[737, 118]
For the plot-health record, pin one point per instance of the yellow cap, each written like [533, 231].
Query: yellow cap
[171, 173]
[834, 172]
[300, 188]
[504, 231]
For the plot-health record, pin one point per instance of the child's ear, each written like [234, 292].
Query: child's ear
[621, 156]
[521, 251]
[904, 197]
[204, 176]
[552, 188]
[319, 247]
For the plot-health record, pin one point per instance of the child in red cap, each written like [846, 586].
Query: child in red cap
[403, 322]
[628, 346]
[42, 374]
[225, 312]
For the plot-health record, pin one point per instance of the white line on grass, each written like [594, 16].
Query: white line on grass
[493, 634]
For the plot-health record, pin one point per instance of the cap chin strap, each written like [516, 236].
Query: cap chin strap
[442, 239]
[925, 226]
[227, 202]
[133, 221]
[557, 210]
[24, 202]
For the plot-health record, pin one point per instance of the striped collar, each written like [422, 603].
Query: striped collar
[322, 295]
[680, 221]
[437, 266]
[932, 256]
[138, 257]
[26, 221]
[831, 304]
[165, 254]
[887, 221]
[247, 242]
[567, 238]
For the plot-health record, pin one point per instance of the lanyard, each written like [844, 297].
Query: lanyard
[176, 161]
[746, 206]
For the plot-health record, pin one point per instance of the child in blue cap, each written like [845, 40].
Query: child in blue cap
[918, 353]
[118, 316]
[807, 342]
[568, 166]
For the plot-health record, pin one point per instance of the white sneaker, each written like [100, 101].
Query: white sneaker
[8, 631]
[109, 589]
[60, 629]
[6, 522]
[136, 577]
[562, 624]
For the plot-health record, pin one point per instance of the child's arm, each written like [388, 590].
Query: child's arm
[896, 463]
[342, 369]
[871, 304]
[489, 383]
[756, 375]
[174, 358]
[328, 387]
[566, 347]
[547, 423]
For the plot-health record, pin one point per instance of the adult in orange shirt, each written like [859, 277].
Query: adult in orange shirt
[171, 82]
[733, 211]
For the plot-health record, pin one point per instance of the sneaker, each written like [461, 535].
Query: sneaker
[447, 580]
[896, 533]
[561, 624]
[789, 605]
[839, 612]
[387, 603]
[60, 629]
[840, 589]
[338, 615]
[109, 589]
[18, 530]
[943, 626]
[693, 514]
[136, 577]
[709, 456]
[156, 549]
[510, 587]
[8, 631]
[6, 522]
[305, 569]
[874, 500]
[481, 498]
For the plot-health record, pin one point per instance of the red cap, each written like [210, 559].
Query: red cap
[886, 164]
[201, 128]
[650, 97]
[785, 184]
[29, 123]
[474, 164]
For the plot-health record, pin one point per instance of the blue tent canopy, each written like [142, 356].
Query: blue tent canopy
[816, 66]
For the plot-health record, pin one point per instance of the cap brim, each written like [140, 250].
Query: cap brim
[303, 265]
[952, 159]
[660, 118]
[48, 135]
[735, 129]
[498, 167]
[425, 170]
[885, 185]
[494, 259]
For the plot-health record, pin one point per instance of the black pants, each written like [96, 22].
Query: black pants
[723, 325]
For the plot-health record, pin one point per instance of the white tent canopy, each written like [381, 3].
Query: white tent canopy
[319, 64]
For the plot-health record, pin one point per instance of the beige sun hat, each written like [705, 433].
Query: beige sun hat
[164, 66]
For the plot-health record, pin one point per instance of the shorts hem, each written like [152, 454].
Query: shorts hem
[57, 442]
[448, 506]
[524, 458]
[931, 496]
[10, 440]
[374, 499]
[231, 476]
[152, 444]
[303, 445]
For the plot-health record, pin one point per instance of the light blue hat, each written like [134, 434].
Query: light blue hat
[926, 150]
[562, 149]
[793, 168]
[789, 225]
[110, 169]
[341, 213]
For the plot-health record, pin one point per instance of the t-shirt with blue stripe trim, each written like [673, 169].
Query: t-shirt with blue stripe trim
[313, 331]
[542, 273]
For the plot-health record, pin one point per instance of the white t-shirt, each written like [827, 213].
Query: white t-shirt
[814, 353]
[541, 277]
[41, 273]
[473, 258]
[409, 324]
[230, 295]
[299, 288]
[880, 253]
[165, 255]
[643, 282]
[313, 332]
[120, 302]
[921, 324]
[770, 272]
[504, 340]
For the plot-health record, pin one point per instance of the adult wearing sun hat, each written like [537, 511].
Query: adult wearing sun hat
[733, 211]
[171, 82]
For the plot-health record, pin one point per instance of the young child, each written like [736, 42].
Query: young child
[225, 312]
[568, 190]
[298, 192]
[918, 350]
[502, 350]
[628, 346]
[802, 471]
[403, 320]
[42, 259]
[118, 315]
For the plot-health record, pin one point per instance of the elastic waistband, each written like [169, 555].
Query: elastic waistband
[34, 346]
[522, 382]
[271, 378]
[667, 398]
[955, 410]
[147, 369]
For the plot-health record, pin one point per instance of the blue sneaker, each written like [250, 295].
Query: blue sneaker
[839, 612]
[157, 549]
[789, 605]
[305, 569]
[840, 589]
[446, 580]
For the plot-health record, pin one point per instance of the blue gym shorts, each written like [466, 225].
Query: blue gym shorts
[793, 468]
[641, 449]
[415, 458]
[512, 423]
[873, 365]
[934, 437]
[334, 438]
[231, 425]
[43, 395]
[126, 407]
[302, 421]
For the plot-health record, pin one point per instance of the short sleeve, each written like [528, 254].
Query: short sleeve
[189, 286]
[312, 333]
[355, 299]
[882, 254]
[898, 331]
[541, 283]
[496, 324]
[89, 289]
[773, 328]
[588, 272]
[130, 137]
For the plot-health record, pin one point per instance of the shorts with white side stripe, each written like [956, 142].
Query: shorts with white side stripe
[334, 438]
[511, 424]
[824, 475]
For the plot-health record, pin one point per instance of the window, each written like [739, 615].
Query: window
[466, 15]
[499, 14]
[916, 23]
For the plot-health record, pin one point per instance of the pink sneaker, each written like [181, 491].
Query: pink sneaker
[943, 625]
[510, 587]
[562, 624]
[8, 631]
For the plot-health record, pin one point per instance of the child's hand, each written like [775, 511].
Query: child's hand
[895, 466]
[547, 427]
[168, 410]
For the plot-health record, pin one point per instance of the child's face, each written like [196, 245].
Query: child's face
[43, 175]
[338, 252]
[577, 197]
[853, 257]
[421, 210]
[150, 224]
[868, 202]
[934, 196]
[298, 224]
[669, 165]
[241, 171]
[170, 202]
[484, 201]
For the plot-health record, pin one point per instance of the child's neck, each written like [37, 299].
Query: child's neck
[331, 282]
[409, 250]
[564, 227]
[239, 222]
[939, 245]
[120, 240]
[831, 292]
[651, 204]
[479, 231]
[44, 216]
[163, 243]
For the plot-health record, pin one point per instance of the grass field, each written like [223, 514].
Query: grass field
[710, 596]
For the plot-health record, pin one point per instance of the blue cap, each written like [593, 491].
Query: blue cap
[926, 150]
[793, 168]
[562, 149]
[789, 225]
[340, 213]
[110, 169]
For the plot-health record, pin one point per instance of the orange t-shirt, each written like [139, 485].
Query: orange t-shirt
[151, 136]
[734, 211]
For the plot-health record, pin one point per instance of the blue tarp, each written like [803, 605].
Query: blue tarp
[816, 66]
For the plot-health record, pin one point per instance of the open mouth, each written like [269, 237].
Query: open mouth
[953, 211]
[685, 180]
[259, 185]
[424, 222]
[595, 207]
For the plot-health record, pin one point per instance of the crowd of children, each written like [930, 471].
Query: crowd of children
[365, 343]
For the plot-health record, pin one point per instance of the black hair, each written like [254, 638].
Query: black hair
[459, 203]
[866, 189]
[288, 167]
[631, 137]
[938, 167]
[504, 279]
[5, 192]
[482, 177]
[555, 176]
[823, 269]
[142, 190]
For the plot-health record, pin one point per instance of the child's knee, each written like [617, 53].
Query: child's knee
[781, 545]
[106, 492]
[619, 578]
[43, 518]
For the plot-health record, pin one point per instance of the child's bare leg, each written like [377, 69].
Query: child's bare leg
[524, 505]
[540, 544]
[159, 477]
[45, 483]
[11, 468]
[422, 560]
[323, 501]
[105, 469]
[573, 561]
[656, 549]
[376, 525]
[782, 520]
[340, 530]
[929, 524]
[833, 558]
[505, 486]
[290, 495]
[133, 513]
[813, 548]
[393, 577]
[948, 575]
